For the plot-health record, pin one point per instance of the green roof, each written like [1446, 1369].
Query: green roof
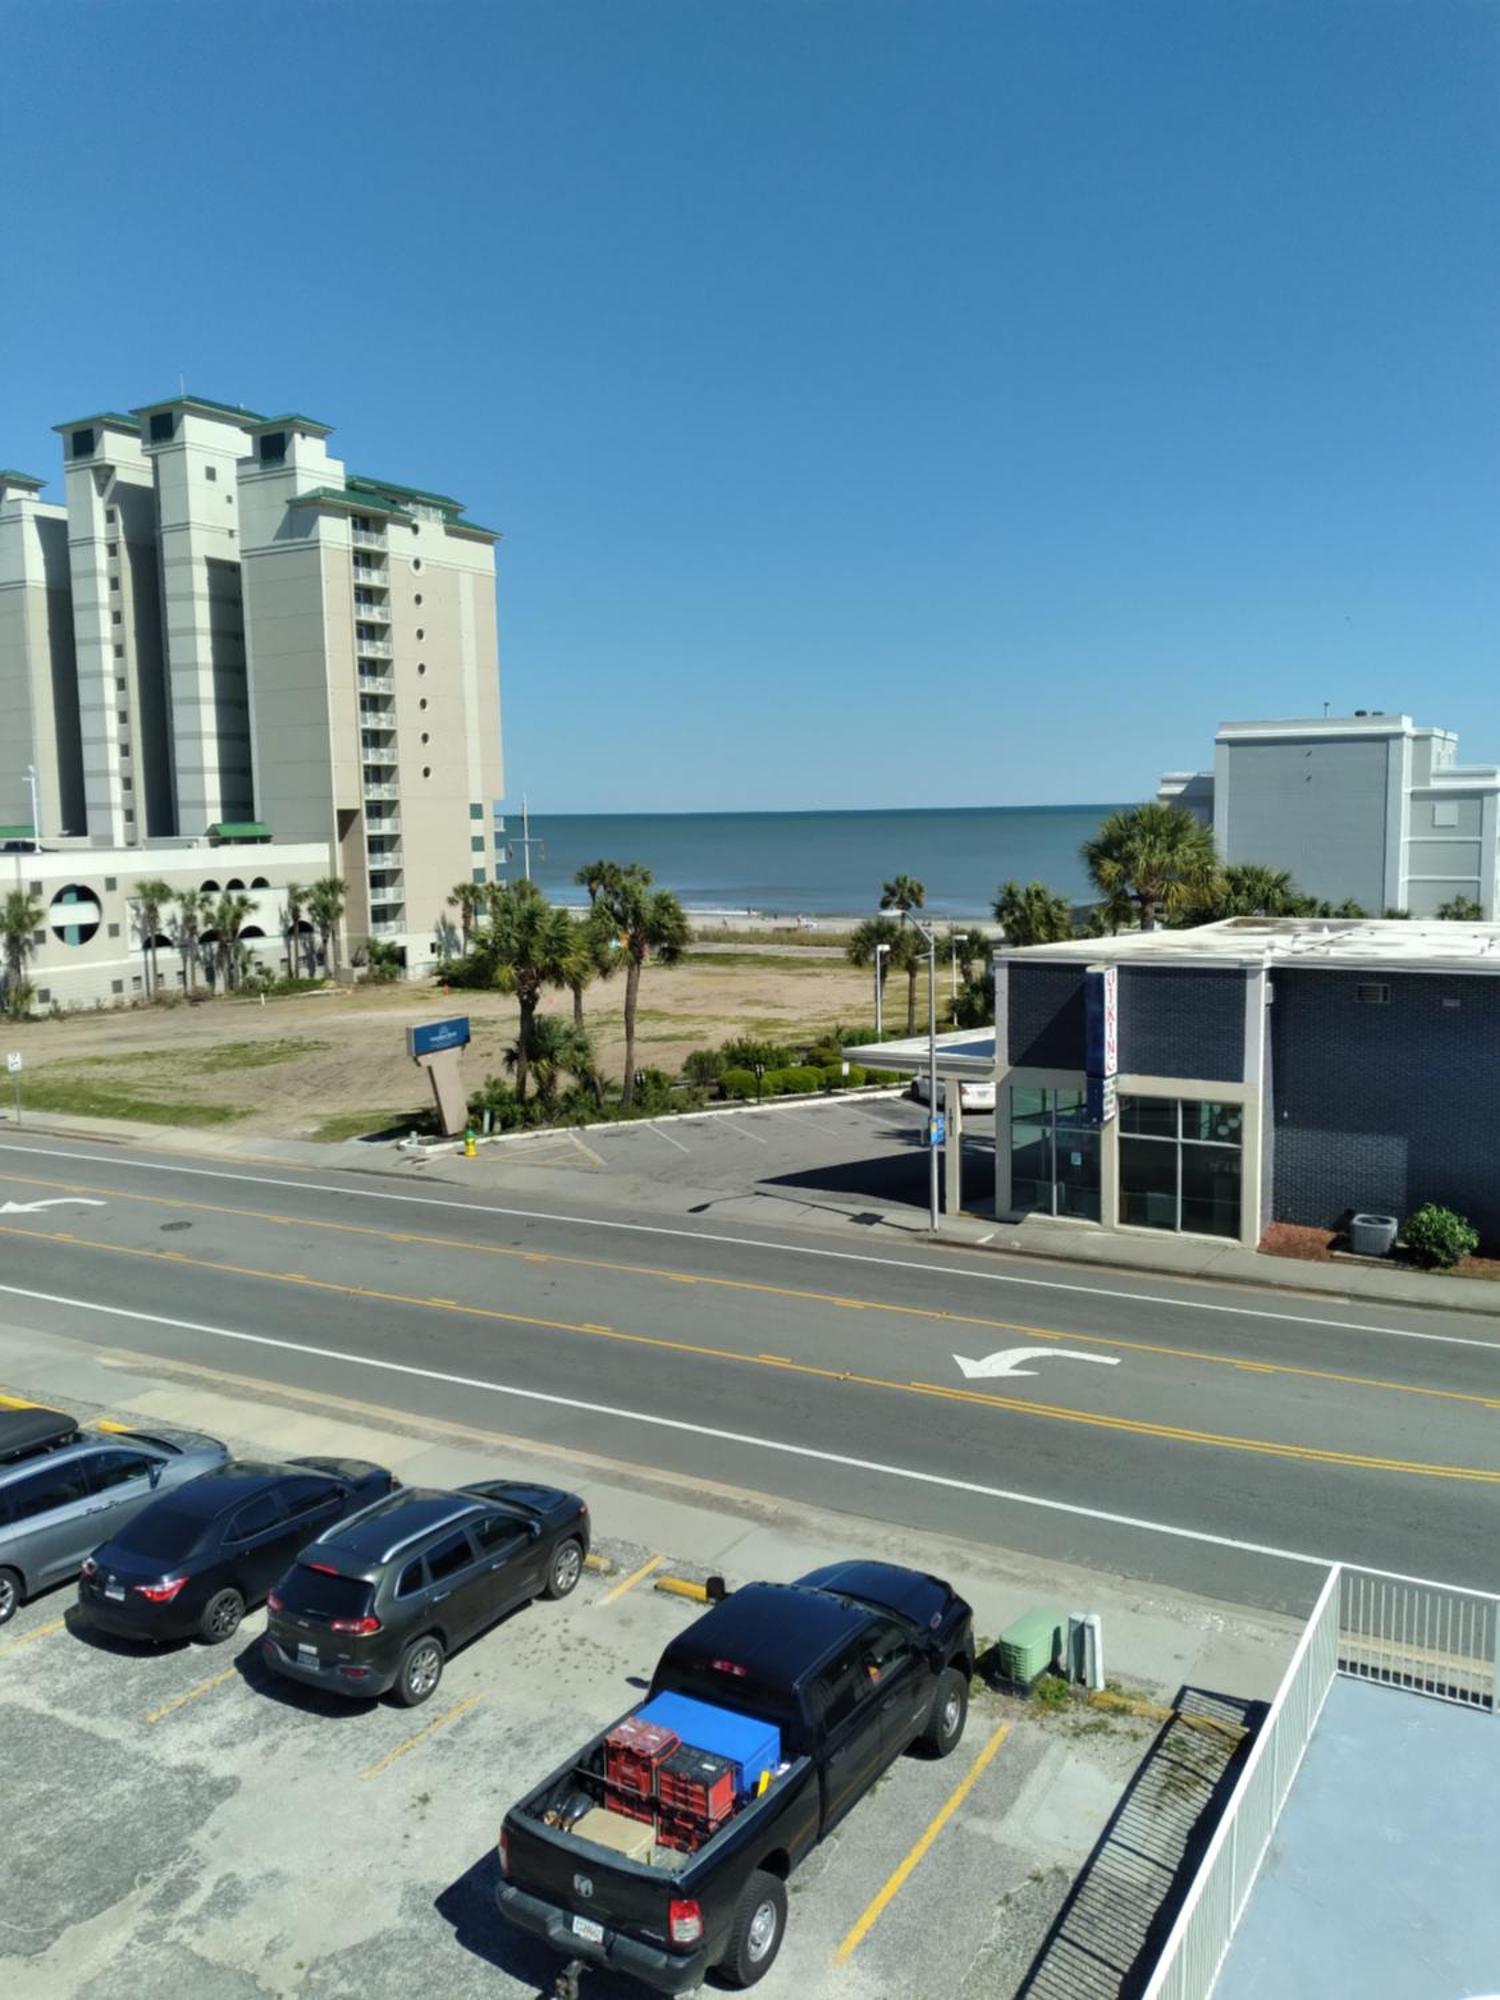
[10, 477]
[291, 418]
[367, 484]
[239, 829]
[357, 503]
[201, 403]
[474, 528]
[26, 832]
[115, 417]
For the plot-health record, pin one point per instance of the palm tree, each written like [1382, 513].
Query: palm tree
[1033, 914]
[866, 937]
[903, 893]
[597, 875]
[470, 898]
[228, 918]
[20, 915]
[526, 946]
[296, 902]
[649, 923]
[325, 906]
[1246, 889]
[151, 899]
[596, 955]
[187, 927]
[555, 1048]
[1157, 856]
[908, 954]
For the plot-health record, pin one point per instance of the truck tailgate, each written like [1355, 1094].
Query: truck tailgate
[579, 1876]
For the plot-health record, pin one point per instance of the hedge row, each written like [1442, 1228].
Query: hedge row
[800, 1078]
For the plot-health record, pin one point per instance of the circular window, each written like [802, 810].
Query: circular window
[420, 633]
[425, 737]
[418, 598]
[423, 702]
[74, 914]
[415, 529]
[426, 770]
[416, 562]
[421, 666]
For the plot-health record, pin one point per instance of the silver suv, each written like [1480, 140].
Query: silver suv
[63, 1491]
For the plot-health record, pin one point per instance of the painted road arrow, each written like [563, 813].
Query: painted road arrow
[1008, 1360]
[57, 1201]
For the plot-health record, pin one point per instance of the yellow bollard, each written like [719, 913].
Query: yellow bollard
[470, 1149]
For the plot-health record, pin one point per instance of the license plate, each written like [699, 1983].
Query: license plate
[307, 1656]
[588, 1930]
[116, 1591]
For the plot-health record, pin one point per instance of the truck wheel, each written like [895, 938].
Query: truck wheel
[759, 1923]
[564, 1569]
[950, 1711]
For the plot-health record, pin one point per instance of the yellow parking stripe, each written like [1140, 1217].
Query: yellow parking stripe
[893, 1883]
[636, 1576]
[17, 1403]
[36, 1632]
[439, 1722]
[181, 1700]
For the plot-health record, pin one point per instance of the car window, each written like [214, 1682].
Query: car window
[115, 1468]
[837, 1690]
[449, 1557]
[885, 1647]
[44, 1491]
[253, 1518]
[304, 1496]
[410, 1580]
[494, 1532]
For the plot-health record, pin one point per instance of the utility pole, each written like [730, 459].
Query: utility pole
[929, 938]
[880, 952]
[526, 843]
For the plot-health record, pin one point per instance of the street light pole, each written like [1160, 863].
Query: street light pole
[880, 952]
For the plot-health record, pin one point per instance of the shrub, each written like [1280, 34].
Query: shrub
[653, 1091]
[824, 1055]
[833, 1075]
[745, 1052]
[881, 1077]
[703, 1066]
[802, 1076]
[1439, 1238]
[499, 1099]
[857, 1076]
[738, 1083]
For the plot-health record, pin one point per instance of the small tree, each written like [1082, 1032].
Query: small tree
[1155, 856]
[903, 893]
[863, 948]
[1461, 910]
[595, 955]
[296, 903]
[597, 875]
[554, 1048]
[650, 924]
[1438, 1237]
[908, 954]
[1033, 914]
[325, 907]
[20, 916]
[469, 898]
[229, 914]
[187, 928]
[151, 898]
[525, 947]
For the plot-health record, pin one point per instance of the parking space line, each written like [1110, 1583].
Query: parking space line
[894, 1882]
[636, 1576]
[16, 1403]
[36, 1632]
[737, 1126]
[181, 1700]
[651, 1122]
[438, 1722]
[586, 1149]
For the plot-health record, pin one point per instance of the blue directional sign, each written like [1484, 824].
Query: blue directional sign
[434, 1036]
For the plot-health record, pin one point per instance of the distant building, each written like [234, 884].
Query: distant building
[1367, 808]
[221, 628]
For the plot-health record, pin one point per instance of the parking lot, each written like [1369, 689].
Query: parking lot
[857, 1160]
[181, 1821]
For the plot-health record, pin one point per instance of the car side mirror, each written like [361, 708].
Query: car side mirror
[534, 1529]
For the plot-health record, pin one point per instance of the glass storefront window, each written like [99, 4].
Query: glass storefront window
[1180, 1165]
[1054, 1154]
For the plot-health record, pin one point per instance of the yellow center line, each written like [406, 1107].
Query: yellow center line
[894, 1882]
[661, 1272]
[629, 1583]
[181, 1700]
[1140, 1427]
[438, 1722]
[36, 1632]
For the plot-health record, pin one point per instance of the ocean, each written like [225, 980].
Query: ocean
[820, 864]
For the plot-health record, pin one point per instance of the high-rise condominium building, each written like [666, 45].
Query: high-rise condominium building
[222, 629]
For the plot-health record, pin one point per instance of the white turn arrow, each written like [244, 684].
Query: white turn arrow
[57, 1201]
[1008, 1360]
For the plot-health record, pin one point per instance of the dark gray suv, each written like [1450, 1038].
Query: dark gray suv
[64, 1490]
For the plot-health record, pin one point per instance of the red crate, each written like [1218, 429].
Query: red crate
[633, 1753]
[685, 1835]
[698, 1784]
[630, 1804]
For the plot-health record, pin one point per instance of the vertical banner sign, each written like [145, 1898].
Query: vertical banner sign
[1101, 1041]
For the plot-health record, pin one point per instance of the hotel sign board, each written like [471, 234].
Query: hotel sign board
[1101, 1041]
[434, 1036]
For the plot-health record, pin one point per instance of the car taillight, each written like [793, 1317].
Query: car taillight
[504, 1852]
[90, 1567]
[730, 1667]
[163, 1592]
[323, 1569]
[273, 1602]
[360, 1627]
[684, 1920]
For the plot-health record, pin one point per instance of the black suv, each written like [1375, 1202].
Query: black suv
[193, 1562]
[378, 1603]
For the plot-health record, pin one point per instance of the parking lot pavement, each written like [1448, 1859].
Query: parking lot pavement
[180, 1821]
[828, 1160]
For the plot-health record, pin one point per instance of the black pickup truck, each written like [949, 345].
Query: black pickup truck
[853, 1664]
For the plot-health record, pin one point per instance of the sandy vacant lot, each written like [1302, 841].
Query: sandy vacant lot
[330, 1063]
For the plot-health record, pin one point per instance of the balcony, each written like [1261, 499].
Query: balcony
[377, 753]
[384, 927]
[379, 788]
[369, 538]
[375, 677]
[377, 711]
[373, 645]
[383, 859]
[367, 572]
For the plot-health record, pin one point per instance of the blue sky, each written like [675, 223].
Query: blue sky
[885, 402]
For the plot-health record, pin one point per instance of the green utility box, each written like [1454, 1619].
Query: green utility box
[1026, 1649]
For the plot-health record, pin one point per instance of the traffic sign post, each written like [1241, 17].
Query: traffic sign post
[13, 1064]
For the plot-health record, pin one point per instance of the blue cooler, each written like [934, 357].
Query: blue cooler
[752, 1747]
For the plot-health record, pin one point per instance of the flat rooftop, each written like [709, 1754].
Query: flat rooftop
[1380, 1877]
[1352, 942]
[964, 1052]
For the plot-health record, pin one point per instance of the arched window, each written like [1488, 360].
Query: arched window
[234, 882]
[210, 888]
[260, 882]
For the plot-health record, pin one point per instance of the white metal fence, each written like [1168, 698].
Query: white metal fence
[1430, 1638]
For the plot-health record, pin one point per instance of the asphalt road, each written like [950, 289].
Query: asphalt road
[1223, 1442]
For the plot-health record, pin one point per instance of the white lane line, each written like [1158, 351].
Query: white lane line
[650, 1417]
[741, 1131]
[758, 1243]
[651, 1122]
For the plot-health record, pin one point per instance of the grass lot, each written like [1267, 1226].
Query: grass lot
[157, 1086]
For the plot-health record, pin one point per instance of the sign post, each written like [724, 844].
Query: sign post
[436, 1046]
[13, 1064]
